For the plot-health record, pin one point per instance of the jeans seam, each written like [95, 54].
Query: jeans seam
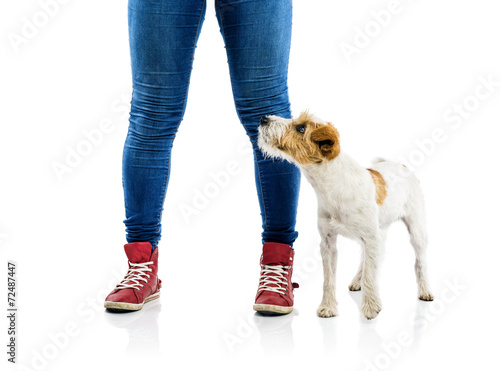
[262, 189]
[178, 124]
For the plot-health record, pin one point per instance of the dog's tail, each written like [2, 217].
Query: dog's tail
[401, 168]
[378, 160]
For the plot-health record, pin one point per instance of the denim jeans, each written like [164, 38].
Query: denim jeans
[163, 36]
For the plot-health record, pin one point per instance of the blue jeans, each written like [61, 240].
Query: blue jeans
[163, 36]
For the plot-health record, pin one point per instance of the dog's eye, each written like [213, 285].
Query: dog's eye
[301, 129]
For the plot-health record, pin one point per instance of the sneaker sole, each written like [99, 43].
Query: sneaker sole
[272, 309]
[122, 306]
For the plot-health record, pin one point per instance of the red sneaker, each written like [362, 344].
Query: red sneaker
[141, 283]
[275, 292]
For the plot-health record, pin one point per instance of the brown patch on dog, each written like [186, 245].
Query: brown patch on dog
[380, 186]
[318, 142]
[327, 138]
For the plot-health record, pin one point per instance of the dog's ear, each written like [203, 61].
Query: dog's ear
[327, 139]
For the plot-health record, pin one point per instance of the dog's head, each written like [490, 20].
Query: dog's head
[304, 140]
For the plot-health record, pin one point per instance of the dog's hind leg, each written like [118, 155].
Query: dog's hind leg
[415, 222]
[328, 306]
[356, 281]
[371, 304]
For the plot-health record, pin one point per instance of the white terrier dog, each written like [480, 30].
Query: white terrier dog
[353, 201]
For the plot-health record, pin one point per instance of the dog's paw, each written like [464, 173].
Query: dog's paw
[371, 308]
[425, 296]
[355, 286]
[327, 312]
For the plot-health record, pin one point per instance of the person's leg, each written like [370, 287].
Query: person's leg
[163, 36]
[257, 36]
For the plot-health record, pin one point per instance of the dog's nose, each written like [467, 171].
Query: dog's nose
[264, 120]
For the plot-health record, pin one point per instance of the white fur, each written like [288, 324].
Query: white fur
[347, 206]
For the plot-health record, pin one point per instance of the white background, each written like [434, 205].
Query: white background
[66, 233]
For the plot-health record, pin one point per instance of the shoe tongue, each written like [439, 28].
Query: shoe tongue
[138, 252]
[274, 253]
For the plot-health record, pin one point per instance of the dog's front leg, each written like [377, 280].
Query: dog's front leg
[371, 304]
[328, 306]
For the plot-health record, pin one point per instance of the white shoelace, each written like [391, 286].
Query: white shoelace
[276, 281]
[136, 273]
